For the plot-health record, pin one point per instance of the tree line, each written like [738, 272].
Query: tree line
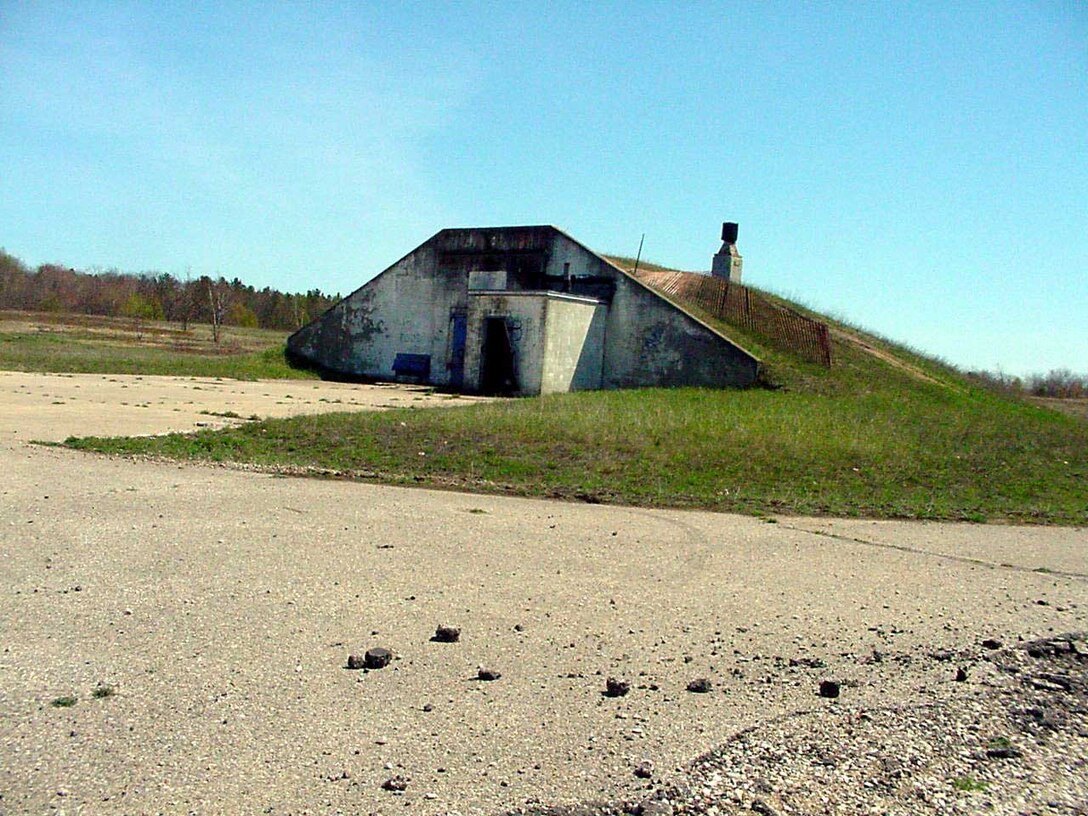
[1058, 382]
[155, 296]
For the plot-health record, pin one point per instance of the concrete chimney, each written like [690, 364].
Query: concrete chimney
[728, 263]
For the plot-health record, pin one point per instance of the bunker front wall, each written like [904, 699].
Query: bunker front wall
[647, 341]
[405, 310]
[654, 344]
[642, 340]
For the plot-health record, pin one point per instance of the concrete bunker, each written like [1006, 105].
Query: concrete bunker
[517, 311]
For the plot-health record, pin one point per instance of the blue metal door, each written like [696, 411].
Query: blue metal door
[458, 334]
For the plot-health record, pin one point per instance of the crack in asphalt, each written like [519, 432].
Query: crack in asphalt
[961, 559]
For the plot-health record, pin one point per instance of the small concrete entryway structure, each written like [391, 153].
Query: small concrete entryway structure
[517, 311]
[534, 342]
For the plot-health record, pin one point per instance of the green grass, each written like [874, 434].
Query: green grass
[968, 784]
[895, 448]
[64, 702]
[58, 342]
[865, 438]
[25, 351]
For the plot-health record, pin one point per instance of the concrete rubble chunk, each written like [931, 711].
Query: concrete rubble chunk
[616, 688]
[762, 808]
[396, 784]
[644, 769]
[658, 807]
[1003, 752]
[377, 658]
[1050, 682]
[1070, 645]
[829, 689]
[700, 685]
[446, 634]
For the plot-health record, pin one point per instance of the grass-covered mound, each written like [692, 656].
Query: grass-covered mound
[884, 433]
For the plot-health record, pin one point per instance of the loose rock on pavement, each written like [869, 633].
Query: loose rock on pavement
[446, 634]
[376, 658]
[616, 688]
[829, 689]
[397, 784]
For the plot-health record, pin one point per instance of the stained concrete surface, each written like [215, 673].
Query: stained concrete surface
[52, 407]
[222, 605]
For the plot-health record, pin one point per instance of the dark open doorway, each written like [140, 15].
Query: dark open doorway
[498, 373]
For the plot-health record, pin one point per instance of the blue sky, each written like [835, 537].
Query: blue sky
[920, 169]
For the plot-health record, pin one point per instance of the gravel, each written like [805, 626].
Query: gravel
[1006, 746]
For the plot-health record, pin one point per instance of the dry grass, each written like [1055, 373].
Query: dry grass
[1071, 407]
[130, 333]
[44, 341]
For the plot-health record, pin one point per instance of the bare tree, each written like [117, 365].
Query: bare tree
[218, 297]
[1060, 383]
[185, 299]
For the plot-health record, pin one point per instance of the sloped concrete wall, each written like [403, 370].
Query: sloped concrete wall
[573, 344]
[406, 309]
[651, 343]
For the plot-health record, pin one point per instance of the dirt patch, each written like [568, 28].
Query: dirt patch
[52, 407]
[896, 362]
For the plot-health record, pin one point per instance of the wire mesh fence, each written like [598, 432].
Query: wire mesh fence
[740, 306]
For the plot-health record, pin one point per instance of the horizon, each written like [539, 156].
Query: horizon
[918, 171]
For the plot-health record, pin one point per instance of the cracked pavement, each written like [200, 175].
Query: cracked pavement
[221, 607]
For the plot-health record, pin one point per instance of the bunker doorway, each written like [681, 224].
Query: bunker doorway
[498, 375]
